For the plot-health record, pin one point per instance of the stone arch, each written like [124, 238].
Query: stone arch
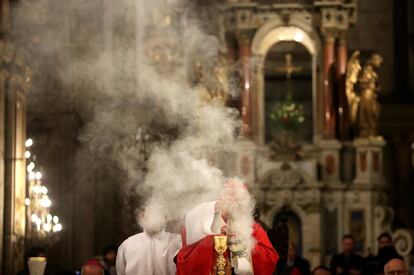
[300, 30]
[295, 225]
[310, 229]
[273, 212]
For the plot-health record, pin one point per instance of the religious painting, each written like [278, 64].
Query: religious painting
[288, 91]
[357, 228]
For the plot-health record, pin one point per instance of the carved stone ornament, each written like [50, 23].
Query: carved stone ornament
[283, 177]
[353, 197]
[403, 240]
[384, 215]
[309, 200]
[332, 200]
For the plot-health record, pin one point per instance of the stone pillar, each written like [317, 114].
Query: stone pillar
[369, 161]
[329, 116]
[342, 60]
[3, 77]
[15, 180]
[4, 30]
[232, 56]
[17, 83]
[245, 55]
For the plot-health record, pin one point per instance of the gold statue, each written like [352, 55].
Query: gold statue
[364, 106]
[212, 83]
[352, 72]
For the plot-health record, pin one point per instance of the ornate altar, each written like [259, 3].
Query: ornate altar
[336, 180]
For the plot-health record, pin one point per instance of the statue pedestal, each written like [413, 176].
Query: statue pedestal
[369, 159]
[329, 160]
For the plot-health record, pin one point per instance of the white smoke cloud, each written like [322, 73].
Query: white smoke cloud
[129, 64]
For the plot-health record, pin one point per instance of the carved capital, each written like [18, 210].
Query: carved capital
[244, 38]
[333, 18]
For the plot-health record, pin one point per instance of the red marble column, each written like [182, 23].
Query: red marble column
[342, 60]
[329, 116]
[231, 54]
[233, 102]
[245, 55]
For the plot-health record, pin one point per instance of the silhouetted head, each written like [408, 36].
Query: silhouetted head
[348, 244]
[109, 254]
[321, 270]
[384, 240]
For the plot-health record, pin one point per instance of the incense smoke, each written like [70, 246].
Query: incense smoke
[131, 66]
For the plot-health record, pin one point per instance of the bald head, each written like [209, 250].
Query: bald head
[395, 266]
[92, 270]
[321, 270]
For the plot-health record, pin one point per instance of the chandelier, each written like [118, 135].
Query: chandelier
[41, 222]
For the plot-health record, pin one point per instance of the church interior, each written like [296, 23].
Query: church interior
[120, 105]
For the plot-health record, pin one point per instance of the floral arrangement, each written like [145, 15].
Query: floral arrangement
[288, 116]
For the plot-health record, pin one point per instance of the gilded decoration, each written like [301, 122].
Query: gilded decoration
[362, 90]
[220, 246]
[212, 82]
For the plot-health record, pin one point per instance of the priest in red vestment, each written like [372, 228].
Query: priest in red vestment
[214, 241]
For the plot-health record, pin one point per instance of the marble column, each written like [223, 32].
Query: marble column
[15, 180]
[329, 116]
[232, 56]
[342, 60]
[3, 77]
[245, 55]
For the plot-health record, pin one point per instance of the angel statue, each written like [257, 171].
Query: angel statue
[362, 91]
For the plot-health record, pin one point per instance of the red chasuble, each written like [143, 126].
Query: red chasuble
[199, 258]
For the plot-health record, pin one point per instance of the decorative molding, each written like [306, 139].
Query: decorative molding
[403, 241]
[284, 177]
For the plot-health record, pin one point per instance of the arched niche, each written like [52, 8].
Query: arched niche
[298, 87]
[295, 228]
[273, 32]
